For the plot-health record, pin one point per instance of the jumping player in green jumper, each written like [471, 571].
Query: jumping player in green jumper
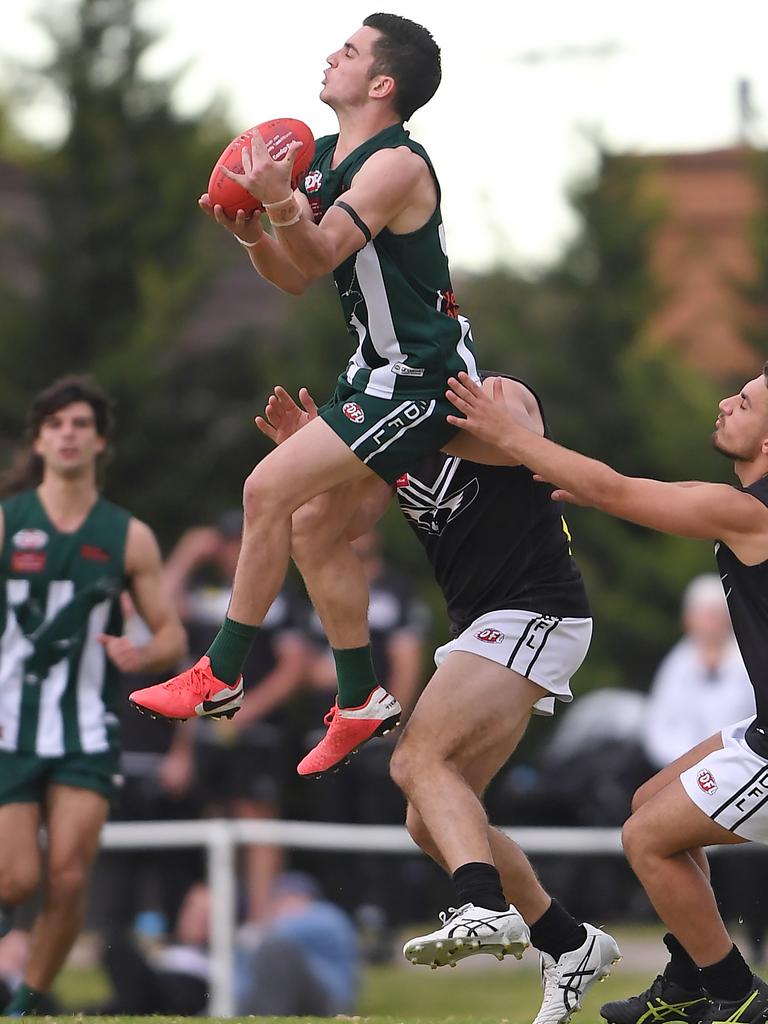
[66, 554]
[368, 211]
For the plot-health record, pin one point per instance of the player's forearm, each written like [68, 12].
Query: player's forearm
[271, 261]
[593, 482]
[167, 646]
[308, 248]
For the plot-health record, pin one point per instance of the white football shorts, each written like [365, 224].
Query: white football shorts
[544, 648]
[731, 785]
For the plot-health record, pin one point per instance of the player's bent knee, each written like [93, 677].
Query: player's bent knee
[417, 830]
[262, 496]
[401, 768]
[642, 795]
[634, 839]
[18, 883]
[66, 884]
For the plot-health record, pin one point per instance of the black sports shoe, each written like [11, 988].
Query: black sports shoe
[664, 1001]
[751, 1009]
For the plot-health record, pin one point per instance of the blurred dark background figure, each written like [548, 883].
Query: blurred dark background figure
[585, 774]
[236, 767]
[159, 978]
[379, 889]
[304, 958]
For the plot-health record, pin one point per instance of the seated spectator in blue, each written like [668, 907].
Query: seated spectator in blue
[304, 958]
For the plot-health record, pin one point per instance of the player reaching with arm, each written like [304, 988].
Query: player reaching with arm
[369, 212]
[521, 627]
[715, 794]
[65, 556]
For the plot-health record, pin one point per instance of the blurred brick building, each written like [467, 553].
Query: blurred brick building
[702, 256]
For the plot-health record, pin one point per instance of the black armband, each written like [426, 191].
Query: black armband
[358, 220]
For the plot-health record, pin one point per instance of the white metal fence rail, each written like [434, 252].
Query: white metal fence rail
[221, 837]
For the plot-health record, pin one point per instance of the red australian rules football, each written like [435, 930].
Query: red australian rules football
[277, 135]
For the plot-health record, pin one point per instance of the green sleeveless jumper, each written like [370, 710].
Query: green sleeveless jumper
[58, 592]
[396, 291]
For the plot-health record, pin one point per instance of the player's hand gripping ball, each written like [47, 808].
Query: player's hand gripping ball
[277, 135]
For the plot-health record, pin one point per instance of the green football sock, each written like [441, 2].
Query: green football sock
[25, 1001]
[230, 649]
[356, 678]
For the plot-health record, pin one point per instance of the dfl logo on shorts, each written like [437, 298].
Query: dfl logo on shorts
[490, 636]
[706, 781]
[353, 412]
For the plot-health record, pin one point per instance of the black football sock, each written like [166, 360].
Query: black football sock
[479, 884]
[556, 932]
[729, 979]
[681, 969]
[355, 675]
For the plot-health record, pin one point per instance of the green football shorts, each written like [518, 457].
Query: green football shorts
[24, 778]
[389, 435]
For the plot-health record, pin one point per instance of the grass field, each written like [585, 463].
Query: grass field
[479, 991]
[482, 991]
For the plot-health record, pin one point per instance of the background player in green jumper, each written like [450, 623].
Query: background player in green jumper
[66, 555]
[369, 212]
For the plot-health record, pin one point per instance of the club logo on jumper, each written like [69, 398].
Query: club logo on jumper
[353, 412]
[407, 371]
[402, 481]
[28, 561]
[431, 507]
[490, 636]
[30, 540]
[447, 303]
[313, 181]
[93, 553]
[706, 781]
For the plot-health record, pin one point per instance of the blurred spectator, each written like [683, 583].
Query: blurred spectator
[167, 979]
[304, 959]
[362, 792]
[701, 684]
[237, 764]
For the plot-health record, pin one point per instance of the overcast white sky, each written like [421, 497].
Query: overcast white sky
[524, 87]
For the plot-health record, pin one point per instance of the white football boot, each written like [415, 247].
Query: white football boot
[469, 930]
[566, 980]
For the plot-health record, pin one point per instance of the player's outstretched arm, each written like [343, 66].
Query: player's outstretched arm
[709, 511]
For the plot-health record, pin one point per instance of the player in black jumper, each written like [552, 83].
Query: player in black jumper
[717, 793]
[521, 624]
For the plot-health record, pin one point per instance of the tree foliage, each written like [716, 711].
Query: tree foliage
[116, 272]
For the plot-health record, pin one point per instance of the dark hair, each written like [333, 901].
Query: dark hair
[407, 52]
[27, 470]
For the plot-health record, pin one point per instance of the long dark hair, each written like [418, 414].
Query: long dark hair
[27, 469]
